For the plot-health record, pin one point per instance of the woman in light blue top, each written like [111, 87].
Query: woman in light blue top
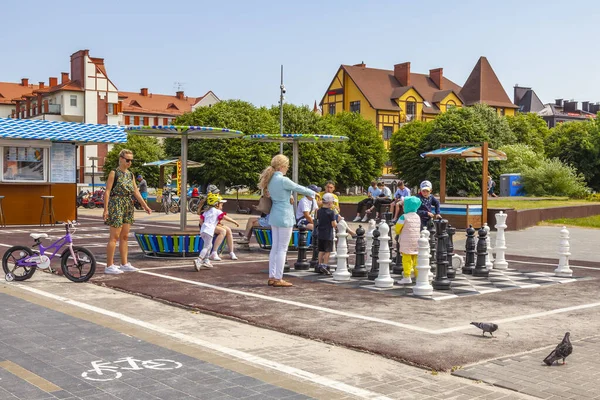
[281, 218]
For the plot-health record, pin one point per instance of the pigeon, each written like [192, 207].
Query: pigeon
[563, 350]
[486, 327]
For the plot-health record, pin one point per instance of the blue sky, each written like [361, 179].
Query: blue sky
[235, 48]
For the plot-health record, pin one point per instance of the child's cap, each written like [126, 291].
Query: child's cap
[426, 185]
[213, 199]
[328, 198]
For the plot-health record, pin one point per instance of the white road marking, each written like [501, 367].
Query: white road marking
[553, 265]
[246, 357]
[223, 263]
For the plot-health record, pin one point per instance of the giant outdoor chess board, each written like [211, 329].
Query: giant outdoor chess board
[462, 285]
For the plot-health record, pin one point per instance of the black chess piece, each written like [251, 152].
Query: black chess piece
[398, 269]
[432, 244]
[480, 268]
[469, 251]
[302, 264]
[451, 271]
[374, 272]
[388, 220]
[360, 249]
[314, 262]
[441, 281]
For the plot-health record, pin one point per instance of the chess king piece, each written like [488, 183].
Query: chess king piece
[423, 287]
[302, 264]
[441, 281]
[563, 268]
[359, 269]
[370, 229]
[451, 232]
[480, 268]
[426, 233]
[489, 259]
[341, 272]
[384, 280]
[374, 271]
[470, 251]
[500, 262]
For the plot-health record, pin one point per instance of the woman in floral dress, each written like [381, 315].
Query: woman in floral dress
[118, 212]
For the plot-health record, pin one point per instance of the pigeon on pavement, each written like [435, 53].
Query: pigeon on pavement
[486, 327]
[563, 350]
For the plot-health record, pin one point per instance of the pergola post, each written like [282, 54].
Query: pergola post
[442, 179]
[484, 198]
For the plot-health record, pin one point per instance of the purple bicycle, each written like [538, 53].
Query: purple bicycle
[78, 263]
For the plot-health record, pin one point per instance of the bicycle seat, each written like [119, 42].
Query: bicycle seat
[37, 236]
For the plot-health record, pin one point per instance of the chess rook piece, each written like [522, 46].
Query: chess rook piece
[314, 262]
[369, 249]
[374, 272]
[302, 264]
[451, 273]
[384, 280]
[388, 220]
[423, 287]
[341, 272]
[500, 246]
[441, 281]
[563, 268]
[480, 268]
[469, 252]
[489, 259]
[359, 250]
[432, 244]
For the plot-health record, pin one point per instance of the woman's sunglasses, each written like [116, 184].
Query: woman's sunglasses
[129, 160]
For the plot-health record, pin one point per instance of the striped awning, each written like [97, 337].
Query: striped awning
[56, 131]
[470, 153]
[294, 137]
[192, 132]
[173, 161]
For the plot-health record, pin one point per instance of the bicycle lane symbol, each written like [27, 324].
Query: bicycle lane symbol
[103, 371]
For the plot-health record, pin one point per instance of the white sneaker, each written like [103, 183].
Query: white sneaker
[206, 265]
[113, 269]
[356, 219]
[365, 218]
[197, 264]
[214, 256]
[128, 268]
[404, 281]
[233, 256]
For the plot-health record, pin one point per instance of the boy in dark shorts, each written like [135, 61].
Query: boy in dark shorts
[327, 223]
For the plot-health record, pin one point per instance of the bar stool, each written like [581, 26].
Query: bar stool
[47, 210]
[2, 218]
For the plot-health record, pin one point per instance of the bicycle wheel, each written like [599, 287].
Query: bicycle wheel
[9, 263]
[193, 205]
[165, 206]
[80, 270]
[174, 207]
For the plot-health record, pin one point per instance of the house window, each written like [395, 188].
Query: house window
[127, 121]
[136, 120]
[501, 110]
[387, 132]
[450, 105]
[355, 106]
[165, 121]
[331, 108]
[24, 164]
[411, 108]
[144, 121]
[73, 100]
[111, 109]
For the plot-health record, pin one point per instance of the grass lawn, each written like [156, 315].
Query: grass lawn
[586, 222]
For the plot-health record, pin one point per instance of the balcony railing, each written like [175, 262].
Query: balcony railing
[52, 109]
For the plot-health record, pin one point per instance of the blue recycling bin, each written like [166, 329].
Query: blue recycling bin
[510, 185]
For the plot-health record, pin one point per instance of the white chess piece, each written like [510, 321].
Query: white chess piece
[426, 233]
[370, 230]
[563, 268]
[341, 272]
[333, 254]
[423, 287]
[489, 258]
[384, 280]
[500, 262]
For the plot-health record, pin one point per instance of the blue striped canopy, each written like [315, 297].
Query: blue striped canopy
[172, 161]
[470, 153]
[294, 137]
[199, 132]
[58, 131]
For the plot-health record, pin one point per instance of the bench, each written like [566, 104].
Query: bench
[264, 237]
[172, 244]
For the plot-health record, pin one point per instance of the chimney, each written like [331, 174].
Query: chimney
[42, 85]
[570, 105]
[585, 106]
[179, 95]
[52, 81]
[402, 73]
[144, 91]
[362, 64]
[558, 102]
[24, 81]
[64, 77]
[436, 76]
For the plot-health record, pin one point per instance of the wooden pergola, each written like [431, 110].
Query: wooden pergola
[470, 152]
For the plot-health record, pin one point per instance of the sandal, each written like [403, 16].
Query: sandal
[282, 283]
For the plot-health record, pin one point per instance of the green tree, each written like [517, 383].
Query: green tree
[554, 178]
[145, 149]
[228, 161]
[520, 157]
[529, 129]
[406, 146]
[496, 127]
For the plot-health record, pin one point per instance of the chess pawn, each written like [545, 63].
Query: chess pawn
[480, 268]
[563, 268]
[441, 281]
[374, 272]
[369, 236]
[302, 264]
[500, 262]
[341, 272]
[423, 287]
[384, 280]
[489, 259]
[469, 251]
[359, 269]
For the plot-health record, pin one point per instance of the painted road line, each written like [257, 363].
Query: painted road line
[552, 265]
[223, 263]
[29, 376]
[243, 356]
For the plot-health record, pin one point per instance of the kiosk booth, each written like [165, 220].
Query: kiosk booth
[38, 183]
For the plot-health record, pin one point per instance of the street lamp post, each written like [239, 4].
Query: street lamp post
[281, 98]
[94, 159]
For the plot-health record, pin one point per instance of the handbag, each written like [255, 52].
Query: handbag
[264, 204]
